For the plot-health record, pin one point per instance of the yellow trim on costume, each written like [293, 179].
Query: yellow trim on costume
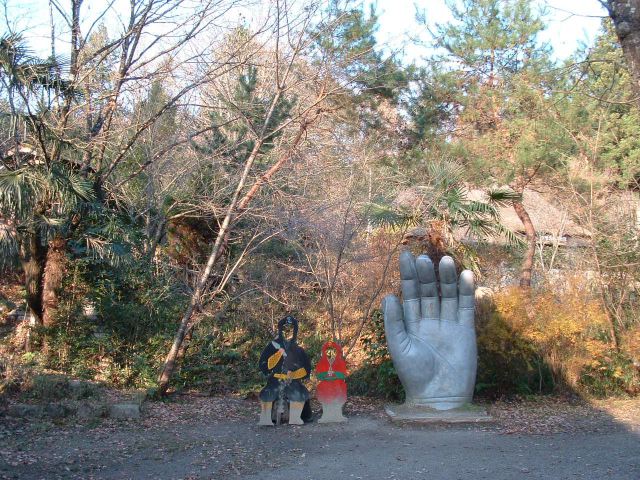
[274, 359]
[295, 375]
[299, 373]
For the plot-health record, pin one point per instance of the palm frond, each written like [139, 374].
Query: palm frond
[102, 250]
[482, 208]
[24, 70]
[455, 197]
[513, 239]
[381, 215]
[81, 187]
[445, 173]
[15, 191]
[481, 228]
[51, 222]
[503, 196]
[484, 228]
[8, 245]
[48, 194]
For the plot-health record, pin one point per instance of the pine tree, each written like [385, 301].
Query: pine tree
[494, 105]
[371, 78]
[234, 140]
[600, 110]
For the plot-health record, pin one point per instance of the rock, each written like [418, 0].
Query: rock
[484, 293]
[89, 411]
[25, 410]
[57, 410]
[89, 311]
[14, 316]
[49, 410]
[124, 411]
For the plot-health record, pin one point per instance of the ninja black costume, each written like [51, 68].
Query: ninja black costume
[283, 360]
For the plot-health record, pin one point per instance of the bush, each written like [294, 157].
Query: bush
[224, 353]
[137, 310]
[507, 363]
[547, 340]
[376, 376]
[222, 356]
[49, 387]
[609, 374]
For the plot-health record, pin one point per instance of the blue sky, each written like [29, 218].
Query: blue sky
[569, 22]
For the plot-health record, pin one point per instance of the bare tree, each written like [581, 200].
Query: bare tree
[84, 125]
[292, 37]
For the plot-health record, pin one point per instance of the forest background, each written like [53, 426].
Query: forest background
[174, 179]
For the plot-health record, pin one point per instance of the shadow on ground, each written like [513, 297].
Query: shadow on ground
[195, 437]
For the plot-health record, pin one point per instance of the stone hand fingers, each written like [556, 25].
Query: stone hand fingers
[448, 289]
[394, 327]
[429, 296]
[466, 299]
[410, 291]
[453, 301]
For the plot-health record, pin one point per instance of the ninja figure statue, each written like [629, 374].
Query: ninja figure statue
[285, 364]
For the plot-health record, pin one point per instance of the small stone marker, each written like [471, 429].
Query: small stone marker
[332, 388]
[124, 411]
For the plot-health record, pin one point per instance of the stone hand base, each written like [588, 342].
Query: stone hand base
[418, 413]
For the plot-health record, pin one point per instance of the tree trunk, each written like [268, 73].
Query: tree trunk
[185, 345]
[52, 281]
[34, 255]
[436, 243]
[625, 15]
[527, 263]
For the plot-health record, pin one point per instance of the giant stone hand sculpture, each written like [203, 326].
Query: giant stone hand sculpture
[431, 335]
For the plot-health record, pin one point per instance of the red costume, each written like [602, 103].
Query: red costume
[332, 374]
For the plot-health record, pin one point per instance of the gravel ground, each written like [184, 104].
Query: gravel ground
[206, 438]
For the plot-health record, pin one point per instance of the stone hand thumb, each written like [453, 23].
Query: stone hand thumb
[394, 327]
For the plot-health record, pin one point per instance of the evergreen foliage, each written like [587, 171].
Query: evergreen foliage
[118, 181]
[234, 140]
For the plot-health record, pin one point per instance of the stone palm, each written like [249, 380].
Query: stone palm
[431, 335]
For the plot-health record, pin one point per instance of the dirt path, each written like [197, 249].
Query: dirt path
[203, 438]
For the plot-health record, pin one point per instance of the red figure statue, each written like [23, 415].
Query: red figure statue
[332, 388]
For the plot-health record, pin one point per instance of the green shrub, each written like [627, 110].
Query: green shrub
[508, 363]
[610, 374]
[221, 358]
[137, 312]
[376, 376]
[542, 340]
[223, 353]
[49, 387]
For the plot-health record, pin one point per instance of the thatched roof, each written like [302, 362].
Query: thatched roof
[552, 223]
[548, 219]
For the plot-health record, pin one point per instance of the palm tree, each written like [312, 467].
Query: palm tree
[38, 195]
[442, 207]
[37, 206]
